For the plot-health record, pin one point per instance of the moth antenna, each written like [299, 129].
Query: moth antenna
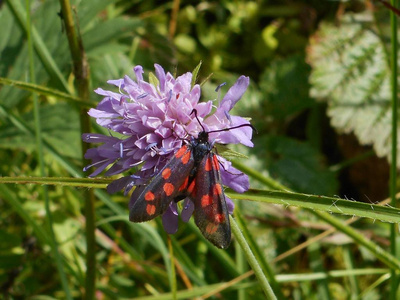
[194, 111]
[230, 128]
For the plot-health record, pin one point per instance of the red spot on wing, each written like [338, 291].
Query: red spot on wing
[166, 173]
[208, 166]
[185, 158]
[184, 184]
[149, 196]
[219, 218]
[206, 200]
[215, 162]
[191, 187]
[181, 151]
[217, 189]
[150, 209]
[211, 228]
[168, 188]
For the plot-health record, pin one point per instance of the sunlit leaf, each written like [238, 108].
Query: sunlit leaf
[351, 72]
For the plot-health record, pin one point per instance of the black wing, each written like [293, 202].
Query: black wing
[211, 213]
[153, 199]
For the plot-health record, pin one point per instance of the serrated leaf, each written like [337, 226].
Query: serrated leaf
[351, 72]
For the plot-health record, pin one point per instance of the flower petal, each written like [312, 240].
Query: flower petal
[236, 91]
[170, 219]
[160, 73]
[187, 210]
[139, 73]
[120, 184]
[230, 205]
[232, 177]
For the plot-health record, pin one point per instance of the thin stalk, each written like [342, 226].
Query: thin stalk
[81, 72]
[40, 157]
[252, 260]
[172, 270]
[240, 258]
[174, 19]
[258, 254]
[393, 167]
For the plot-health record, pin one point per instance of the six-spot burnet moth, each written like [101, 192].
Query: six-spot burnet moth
[193, 172]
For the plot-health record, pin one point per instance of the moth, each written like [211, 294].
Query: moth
[193, 172]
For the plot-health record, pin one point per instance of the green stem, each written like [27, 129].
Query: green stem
[172, 270]
[40, 157]
[81, 72]
[258, 254]
[241, 262]
[393, 167]
[384, 256]
[252, 260]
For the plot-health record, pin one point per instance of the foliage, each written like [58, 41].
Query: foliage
[298, 55]
[351, 71]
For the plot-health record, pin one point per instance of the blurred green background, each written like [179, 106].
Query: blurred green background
[319, 97]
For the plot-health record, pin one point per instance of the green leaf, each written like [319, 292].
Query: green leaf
[60, 126]
[9, 240]
[108, 31]
[195, 74]
[10, 260]
[43, 90]
[46, 24]
[297, 165]
[153, 80]
[228, 153]
[284, 84]
[351, 72]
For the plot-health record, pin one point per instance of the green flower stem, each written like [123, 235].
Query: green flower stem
[266, 268]
[315, 203]
[45, 91]
[40, 156]
[393, 167]
[172, 273]
[240, 258]
[99, 183]
[81, 72]
[330, 274]
[374, 285]
[321, 203]
[384, 256]
[252, 260]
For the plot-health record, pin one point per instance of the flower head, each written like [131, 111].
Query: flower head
[153, 120]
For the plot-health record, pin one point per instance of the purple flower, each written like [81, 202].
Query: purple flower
[152, 120]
